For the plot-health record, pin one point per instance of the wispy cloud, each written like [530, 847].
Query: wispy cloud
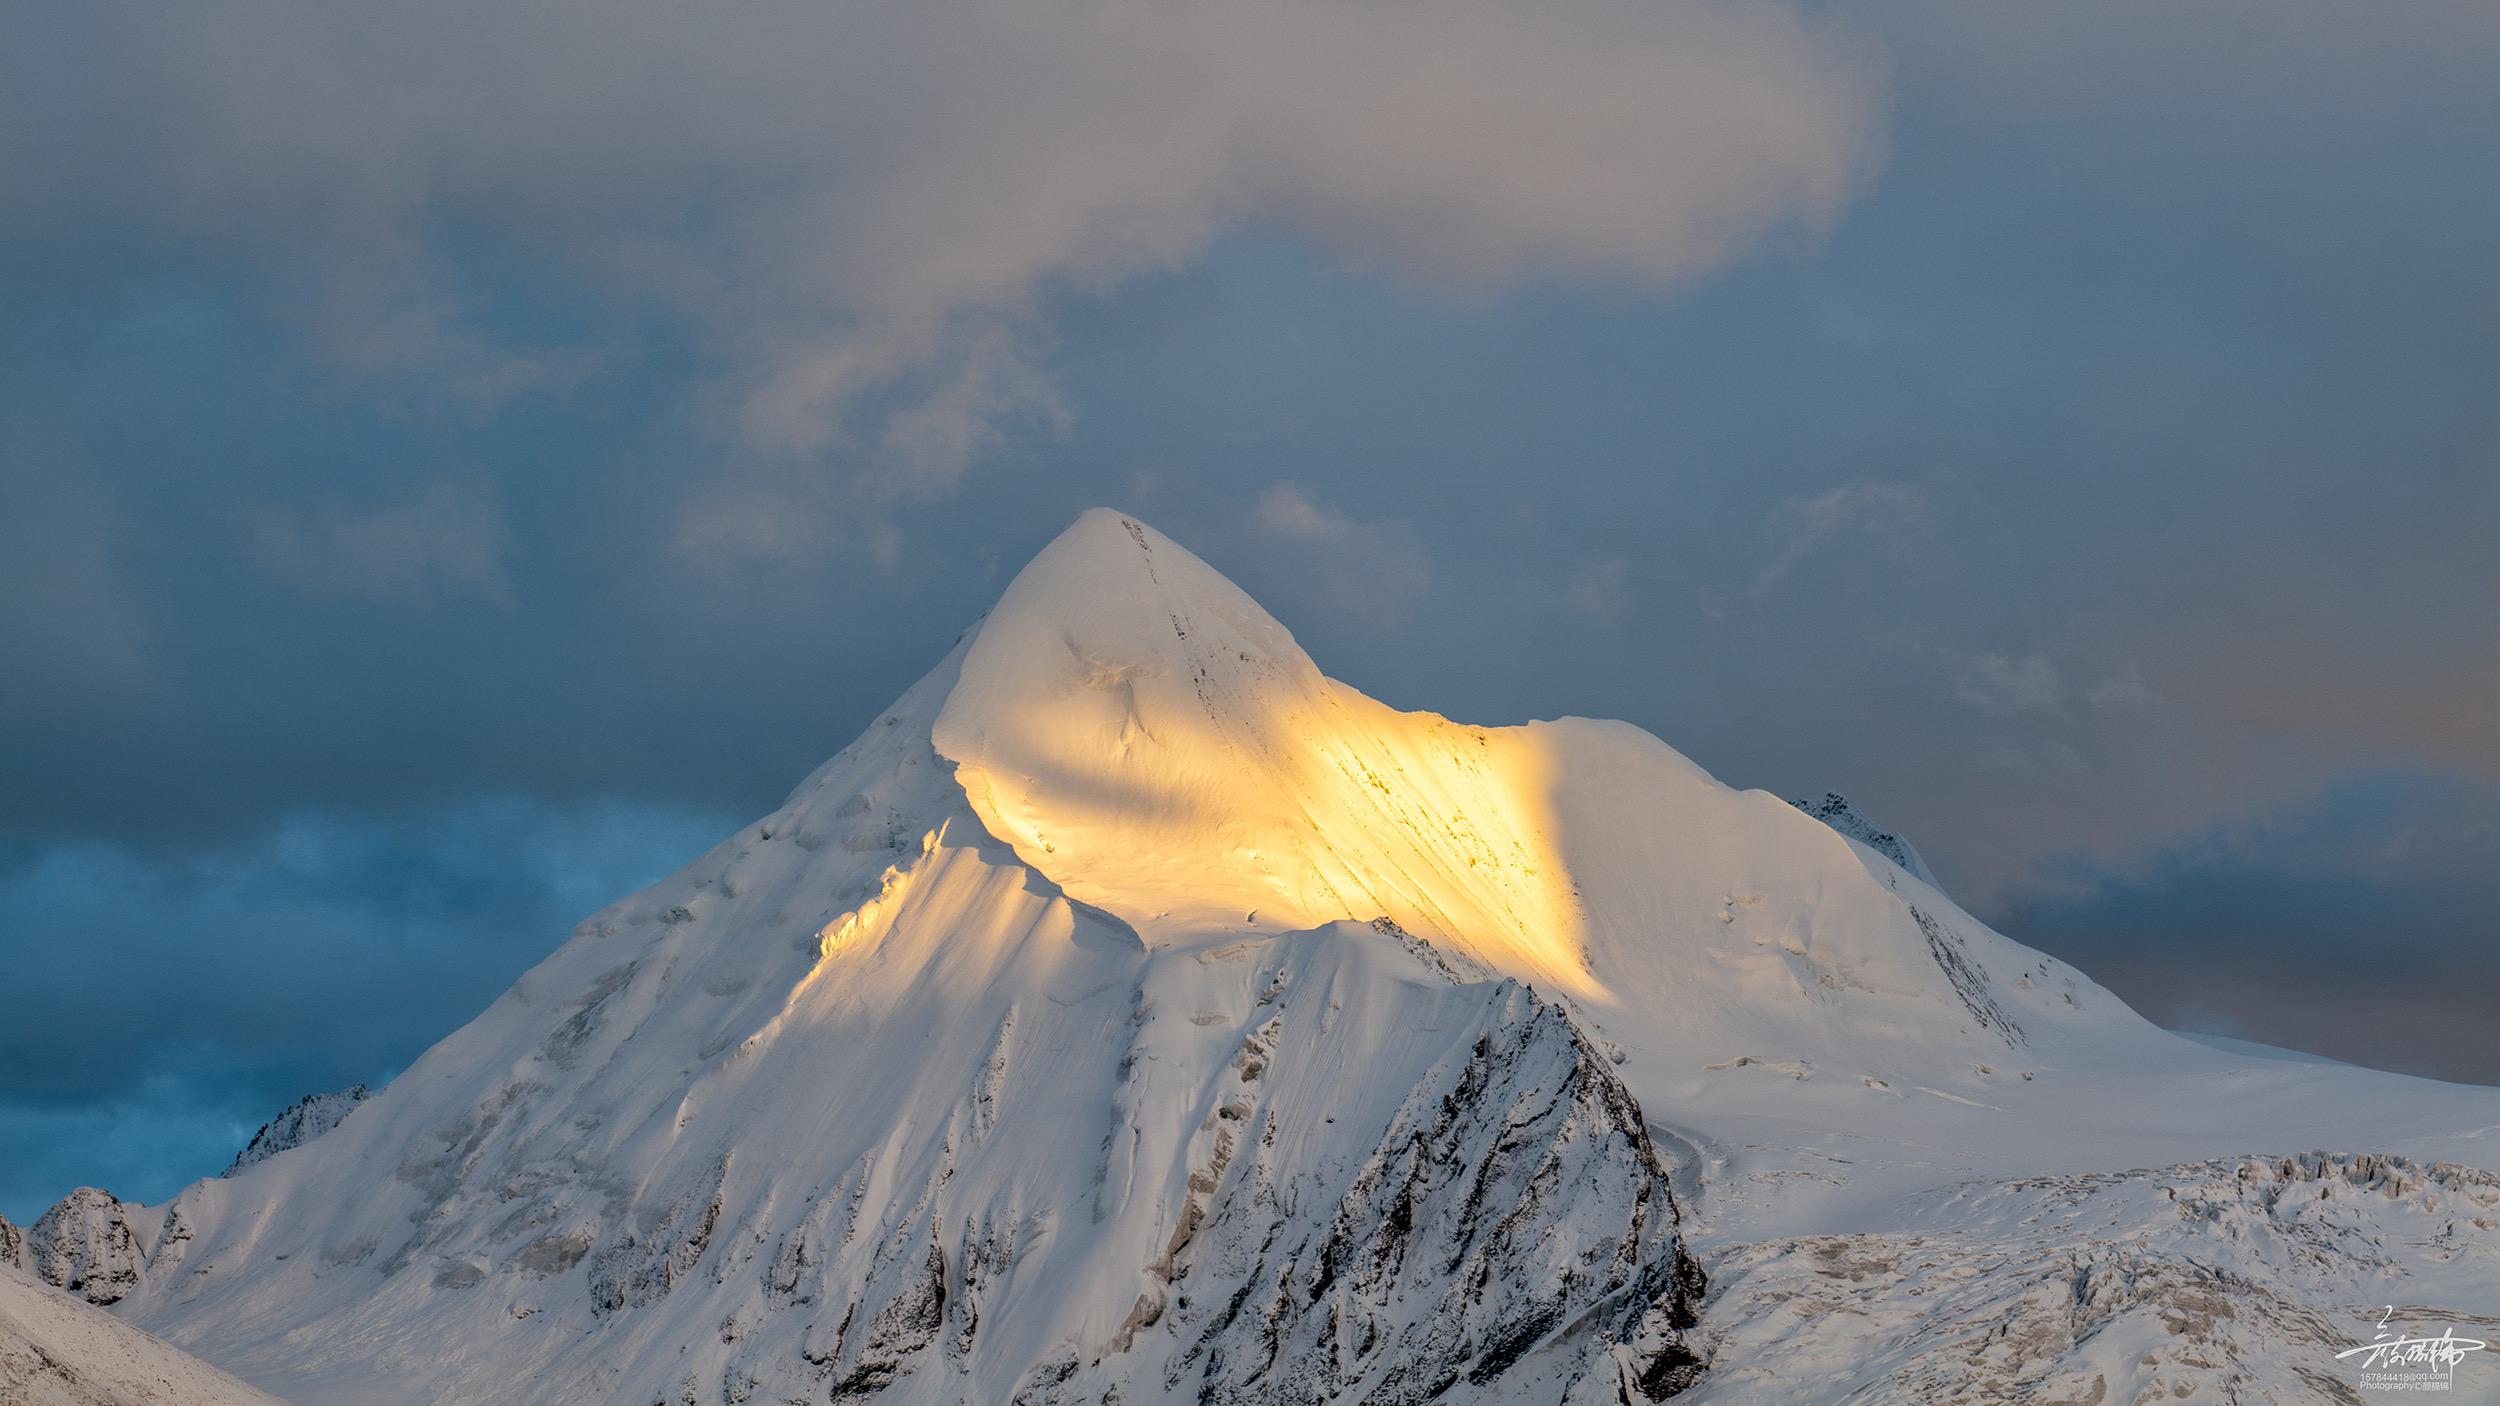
[1600, 590]
[1808, 526]
[1286, 509]
[2021, 683]
[1373, 574]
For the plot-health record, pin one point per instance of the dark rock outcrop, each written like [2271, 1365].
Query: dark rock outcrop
[305, 1119]
[87, 1245]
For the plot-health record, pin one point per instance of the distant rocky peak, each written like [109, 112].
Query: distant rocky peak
[1834, 810]
[88, 1245]
[305, 1119]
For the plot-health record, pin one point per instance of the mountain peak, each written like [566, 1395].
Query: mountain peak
[1113, 591]
[862, 1104]
[1138, 729]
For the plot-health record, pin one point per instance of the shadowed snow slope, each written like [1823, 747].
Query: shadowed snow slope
[59, 1351]
[1135, 1013]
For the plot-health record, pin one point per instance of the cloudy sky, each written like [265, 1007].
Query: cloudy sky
[457, 460]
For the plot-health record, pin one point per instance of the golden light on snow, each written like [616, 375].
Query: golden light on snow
[1144, 734]
[893, 886]
[1443, 827]
[1038, 1094]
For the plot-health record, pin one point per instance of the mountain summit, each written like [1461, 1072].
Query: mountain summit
[1141, 732]
[1135, 1014]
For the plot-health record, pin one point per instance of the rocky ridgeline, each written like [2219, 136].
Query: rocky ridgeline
[91, 1244]
[1512, 1197]
[1834, 810]
[1509, 1225]
[96, 1246]
[2230, 1280]
[305, 1119]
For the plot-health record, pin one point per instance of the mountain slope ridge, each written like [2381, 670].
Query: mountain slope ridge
[1143, 733]
[1133, 1009]
[56, 1350]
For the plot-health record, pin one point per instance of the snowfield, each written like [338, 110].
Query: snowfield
[58, 1350]
[1135, 1014]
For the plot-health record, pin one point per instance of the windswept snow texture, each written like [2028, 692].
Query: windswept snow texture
[305, 1119]
[59, 1351]
[1136, 1014]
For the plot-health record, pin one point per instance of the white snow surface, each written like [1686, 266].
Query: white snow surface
[1135, 1013]
[56, 1350]
[1834, 810]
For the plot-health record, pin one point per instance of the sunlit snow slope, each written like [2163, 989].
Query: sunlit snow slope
[1135, 725]
[1135, 1013]
[1141, 731]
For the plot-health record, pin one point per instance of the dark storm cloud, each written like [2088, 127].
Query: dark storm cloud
[197, 996]
[2365, 926]
[400, 418]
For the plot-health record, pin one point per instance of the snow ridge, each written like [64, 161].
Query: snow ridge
[1133, 1013]
[305, 1119]
[1527, 1167]
[1834, 810]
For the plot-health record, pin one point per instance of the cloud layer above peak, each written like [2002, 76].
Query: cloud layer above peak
[862, 213]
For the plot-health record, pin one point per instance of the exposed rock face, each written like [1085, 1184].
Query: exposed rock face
[1047, 1165]
[1953, 958]
[2234, 1280]
[86, 1245]
[1514, 1195]
[1834, 810]
[305, 1119]
[12, 1245]
[1498, 1223]
[642, 1264]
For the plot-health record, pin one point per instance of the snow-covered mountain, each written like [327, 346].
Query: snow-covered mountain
[56, 1350]
[1834, 810]
[1135, 1014]
[302, 1121]
[89, 1244]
